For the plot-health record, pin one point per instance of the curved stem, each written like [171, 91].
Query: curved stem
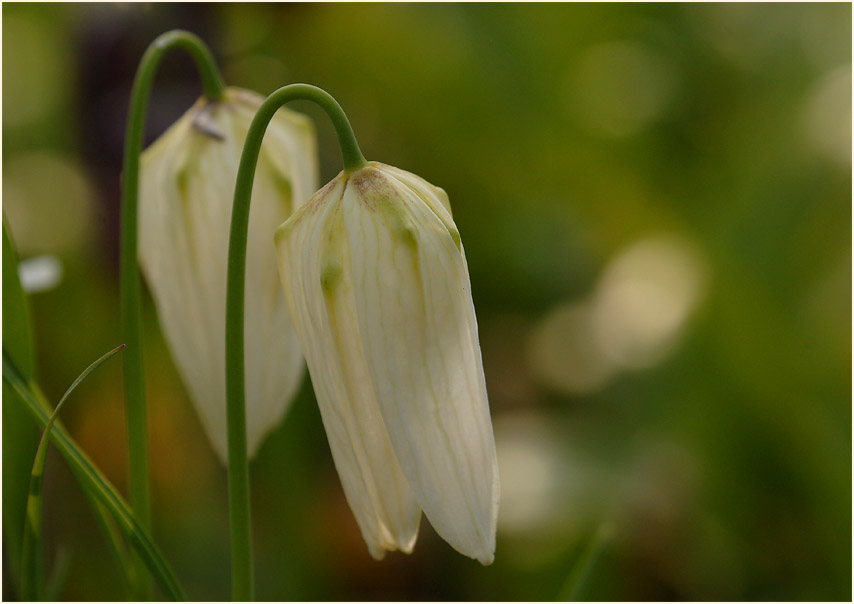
[129, 277]
[235, 386]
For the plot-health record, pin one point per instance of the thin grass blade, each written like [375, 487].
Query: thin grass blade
[114, 541]
[58, 576]
[581, 570]
[19, 434]
[93, 480]
[32, 531]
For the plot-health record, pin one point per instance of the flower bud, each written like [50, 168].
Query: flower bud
[187, 180]
[377, 284]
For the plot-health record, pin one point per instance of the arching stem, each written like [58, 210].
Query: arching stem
[238, 465]
[131, 313]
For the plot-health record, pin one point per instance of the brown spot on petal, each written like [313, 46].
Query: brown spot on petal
[372, 187]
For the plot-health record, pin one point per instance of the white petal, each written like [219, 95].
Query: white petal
[314, 266]
[434, 196]
[186, 194]
[419, 334]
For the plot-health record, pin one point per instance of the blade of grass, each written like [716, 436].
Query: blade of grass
[32, 530]
[19, 434]
[105, 522]
[17, 327]
[583, 566]
[114, 541]
[103, 518]
[56, 580]
[94, 481]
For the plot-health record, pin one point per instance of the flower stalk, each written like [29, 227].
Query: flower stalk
[131, 315]
[238, 463]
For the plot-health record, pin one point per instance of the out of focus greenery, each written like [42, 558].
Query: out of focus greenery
[656, 206]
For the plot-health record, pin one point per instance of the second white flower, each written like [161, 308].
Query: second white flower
[186, 192]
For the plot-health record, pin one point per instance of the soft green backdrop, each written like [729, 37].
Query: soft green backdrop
[656, 206]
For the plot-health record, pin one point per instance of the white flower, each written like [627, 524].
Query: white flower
[187, 183]
[377, 284]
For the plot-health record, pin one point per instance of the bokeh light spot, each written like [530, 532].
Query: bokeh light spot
[618, 88]
[529, 462]
[631, 319]
[827, 115]
[643, 299]
[563, 352]
[49, 203]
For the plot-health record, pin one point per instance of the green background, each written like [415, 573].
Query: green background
[656, 206]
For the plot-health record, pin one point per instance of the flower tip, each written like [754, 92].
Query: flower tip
[377, 553]
[486, 556]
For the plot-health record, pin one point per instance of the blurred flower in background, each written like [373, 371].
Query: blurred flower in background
[186, 190]
[656, 205]
[40, 273]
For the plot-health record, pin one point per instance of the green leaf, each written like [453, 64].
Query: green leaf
[114, 541]
[96, 483]
[19, 434]
[32, 532]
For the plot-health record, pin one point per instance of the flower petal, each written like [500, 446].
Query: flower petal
[433, 196]
[314, 265]
[419, 334]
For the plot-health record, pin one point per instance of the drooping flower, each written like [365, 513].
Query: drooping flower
[377, 284]
[187, 180]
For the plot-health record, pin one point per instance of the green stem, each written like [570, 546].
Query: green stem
[235, 386]
[129, 280]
